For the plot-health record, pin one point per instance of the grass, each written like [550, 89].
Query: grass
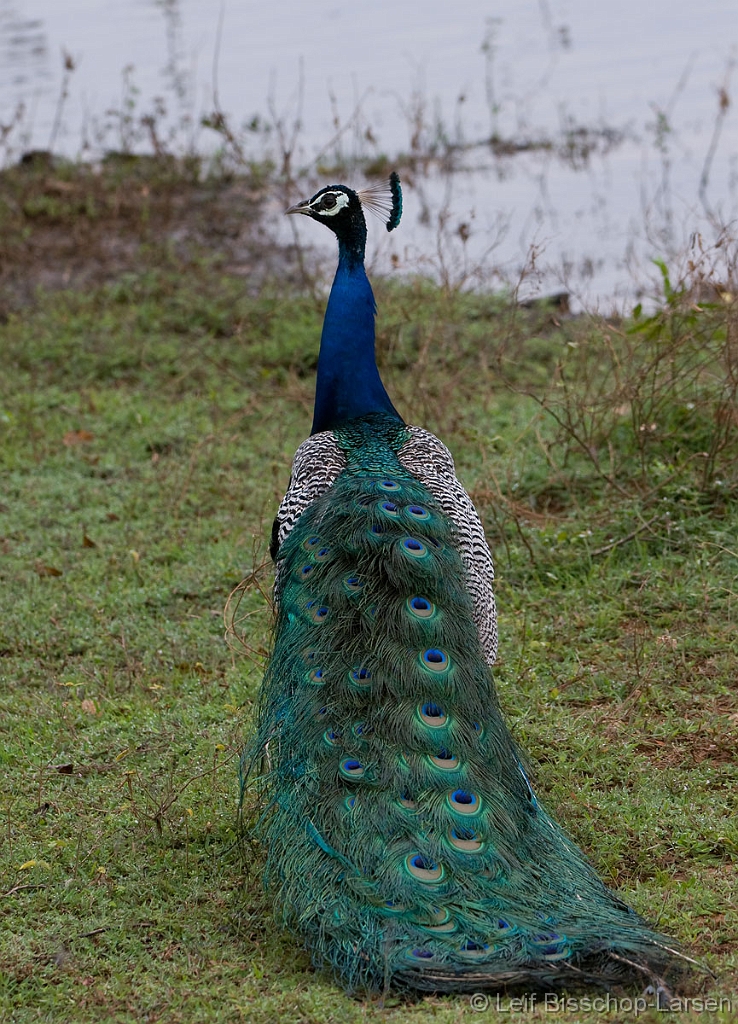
[147, 427]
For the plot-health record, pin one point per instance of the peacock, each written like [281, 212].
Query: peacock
[404, 842]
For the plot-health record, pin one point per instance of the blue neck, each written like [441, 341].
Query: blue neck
[348, 382]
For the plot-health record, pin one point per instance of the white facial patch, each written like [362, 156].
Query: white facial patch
[330, 203]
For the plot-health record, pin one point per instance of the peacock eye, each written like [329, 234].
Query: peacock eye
[328, 201]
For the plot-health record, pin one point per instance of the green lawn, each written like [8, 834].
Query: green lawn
[146, 431]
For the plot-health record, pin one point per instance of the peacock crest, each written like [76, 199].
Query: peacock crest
[339, 205]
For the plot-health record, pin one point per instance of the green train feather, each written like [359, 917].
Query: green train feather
[404, 841]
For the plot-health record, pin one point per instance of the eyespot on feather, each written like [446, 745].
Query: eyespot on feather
[422, 953]
[473, 949]
[413, 547]
[561, 954]
[464, 802]
[550, 947]
[423, 869]
[351, 768]
[432, 714]
[445, 761]
[318, 612]
[420, 607]
[434, 659]
[465, 840]
[432, 917]
[417, 512]
[361, 677]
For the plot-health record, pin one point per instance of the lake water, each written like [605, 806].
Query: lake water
[642, 78]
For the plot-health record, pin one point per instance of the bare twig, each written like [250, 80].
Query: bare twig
[69, 67]
[723, 106]
[624, 540]
[28, 885]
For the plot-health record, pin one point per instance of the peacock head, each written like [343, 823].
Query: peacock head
[342, 209]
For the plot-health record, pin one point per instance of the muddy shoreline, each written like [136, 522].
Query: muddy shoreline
[78, 226]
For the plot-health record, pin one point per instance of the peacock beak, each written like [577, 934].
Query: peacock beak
[303, 207]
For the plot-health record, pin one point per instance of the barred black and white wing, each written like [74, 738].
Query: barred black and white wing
[431, 462]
